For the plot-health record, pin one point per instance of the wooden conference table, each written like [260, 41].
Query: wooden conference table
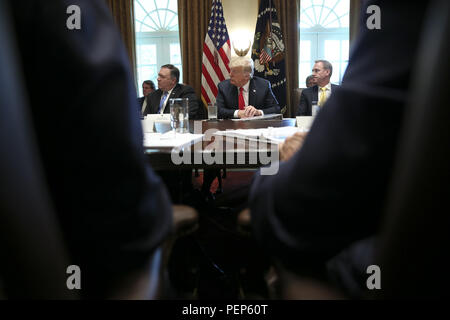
[230, 148]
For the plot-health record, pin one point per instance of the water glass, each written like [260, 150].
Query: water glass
[179, 114]
[212, 111]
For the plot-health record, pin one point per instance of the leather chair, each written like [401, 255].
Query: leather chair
[33, 254]
[296, 102]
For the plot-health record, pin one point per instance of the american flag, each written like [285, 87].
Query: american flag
[266, 55]
[216, 54]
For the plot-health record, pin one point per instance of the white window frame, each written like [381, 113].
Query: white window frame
[162, 39]
[317, 35]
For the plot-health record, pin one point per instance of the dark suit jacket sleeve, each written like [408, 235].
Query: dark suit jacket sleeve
[114, 210]
[303, 109]
[222, 111]
[331, 192]
[195, 111]
[270, 102]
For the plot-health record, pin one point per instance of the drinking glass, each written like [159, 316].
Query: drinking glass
[212, 111]
[179, 115]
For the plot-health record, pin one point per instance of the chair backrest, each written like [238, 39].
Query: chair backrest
[296, 102]
[33, 263]
[415, 237]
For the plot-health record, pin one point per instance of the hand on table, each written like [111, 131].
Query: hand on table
[248, 112]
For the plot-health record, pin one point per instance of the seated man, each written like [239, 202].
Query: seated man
[169, 88]
[332, 192]
[320, 91]
[147, 87]
[243, 95]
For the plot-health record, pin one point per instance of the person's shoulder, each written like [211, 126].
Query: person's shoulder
[154, 93]
[224, 83]
[184, 87]
[260, 80]
[310, 89]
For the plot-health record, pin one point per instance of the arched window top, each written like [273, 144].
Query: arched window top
[324, 14]
[156, 15]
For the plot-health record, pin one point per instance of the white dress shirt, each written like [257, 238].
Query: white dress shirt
[144, 105]
[245, 94]
[165, 102]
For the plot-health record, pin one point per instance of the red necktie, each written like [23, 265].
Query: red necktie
[241, 99]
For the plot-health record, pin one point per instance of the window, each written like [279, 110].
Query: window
[157, 38]
[324, 34]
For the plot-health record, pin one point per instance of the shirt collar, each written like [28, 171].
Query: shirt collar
[169, 92]
[328, 86]
[246, 86]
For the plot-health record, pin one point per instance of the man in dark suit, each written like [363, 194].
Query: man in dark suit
[169, 88]
[319, 92]
[331, 193]
[244, 96]
[147, 87]
[113, 209]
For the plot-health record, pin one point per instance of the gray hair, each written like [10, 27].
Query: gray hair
[245, 62]
[326, 65]
[308, 78]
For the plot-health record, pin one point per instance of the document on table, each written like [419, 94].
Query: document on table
[305, 122]
[272, 135]
[264, 117]
[170, 139]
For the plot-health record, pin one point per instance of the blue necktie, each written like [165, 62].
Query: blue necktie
[162, 101]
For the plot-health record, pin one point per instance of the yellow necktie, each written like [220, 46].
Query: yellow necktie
[323, 96]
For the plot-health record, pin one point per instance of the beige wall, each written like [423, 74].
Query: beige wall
[240, 17]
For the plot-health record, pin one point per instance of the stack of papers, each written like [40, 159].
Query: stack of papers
[264, 117]
[272, 135]
[170, 139]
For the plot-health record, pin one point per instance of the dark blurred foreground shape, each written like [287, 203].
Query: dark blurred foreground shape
[413, 239]
[75, 187]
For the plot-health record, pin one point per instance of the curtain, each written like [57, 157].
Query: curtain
[288, 16]
[355, 19]
[193, 19]
[123, 14]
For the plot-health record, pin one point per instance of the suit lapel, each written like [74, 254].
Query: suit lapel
[155, 103]
[235, 95]
[315, 94]
[252, 93]
[174, 92]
